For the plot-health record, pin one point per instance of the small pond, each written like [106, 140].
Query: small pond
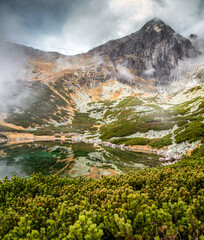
[70, 160]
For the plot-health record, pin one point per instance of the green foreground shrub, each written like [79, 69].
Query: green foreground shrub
[160, 203]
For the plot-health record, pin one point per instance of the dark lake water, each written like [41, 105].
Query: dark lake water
[70, 160]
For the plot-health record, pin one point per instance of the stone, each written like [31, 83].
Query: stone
[170, 159]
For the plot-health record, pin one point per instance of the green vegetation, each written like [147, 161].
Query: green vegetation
[160, 203]
[156, 107]
[61, 87]
[8, 129]
[42, 105]
[180, 121]
[156, 143]
[194, 89]
[154, 99]
[82, 122]
[183, 108]
[192, 132]
[128, 102]
[107, 103]
[129, 161]
[201, 105]
[90, 103]
[179, 110]
[129, 122]
[131, 141]
[2, 136]
[124, 127]
[161, 142]
[120, 115]
[51, 129]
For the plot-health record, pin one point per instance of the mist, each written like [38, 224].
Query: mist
[124, 73]
[10, 169]
[149, 72]
[12, 70]
[184, 76]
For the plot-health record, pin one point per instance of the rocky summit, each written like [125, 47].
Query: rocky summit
[151, 52]
[122, 94]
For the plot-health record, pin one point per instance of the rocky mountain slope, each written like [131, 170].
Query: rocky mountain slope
[152, 52]
[121, 93]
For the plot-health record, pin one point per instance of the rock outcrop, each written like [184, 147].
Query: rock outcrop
[151, 52]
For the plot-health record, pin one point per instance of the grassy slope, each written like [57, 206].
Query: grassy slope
[42, 105]
[125, 121]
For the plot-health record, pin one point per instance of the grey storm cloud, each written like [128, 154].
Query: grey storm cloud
[73, 26]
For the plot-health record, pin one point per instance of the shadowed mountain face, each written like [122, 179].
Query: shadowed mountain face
[152, 52]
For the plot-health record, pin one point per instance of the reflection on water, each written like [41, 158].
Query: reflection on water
[70, 160]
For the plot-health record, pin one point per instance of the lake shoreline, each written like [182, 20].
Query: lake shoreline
[22, 138]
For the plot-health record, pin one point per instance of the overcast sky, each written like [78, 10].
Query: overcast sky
[74, 26]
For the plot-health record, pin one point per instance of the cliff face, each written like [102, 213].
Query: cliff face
[152, 52]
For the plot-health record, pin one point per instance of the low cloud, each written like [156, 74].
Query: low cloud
[197, 42]
[75, 26]
[149, 72]
[97, 59]
[184, 76]
[63, 63]
[124, 74]
[186, 66]
[10, 169]
[12, 69]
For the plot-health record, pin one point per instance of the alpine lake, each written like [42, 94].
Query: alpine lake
[70, 160]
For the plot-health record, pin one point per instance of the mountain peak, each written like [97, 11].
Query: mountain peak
[155, 21]
[154, 47]
[157, 25]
